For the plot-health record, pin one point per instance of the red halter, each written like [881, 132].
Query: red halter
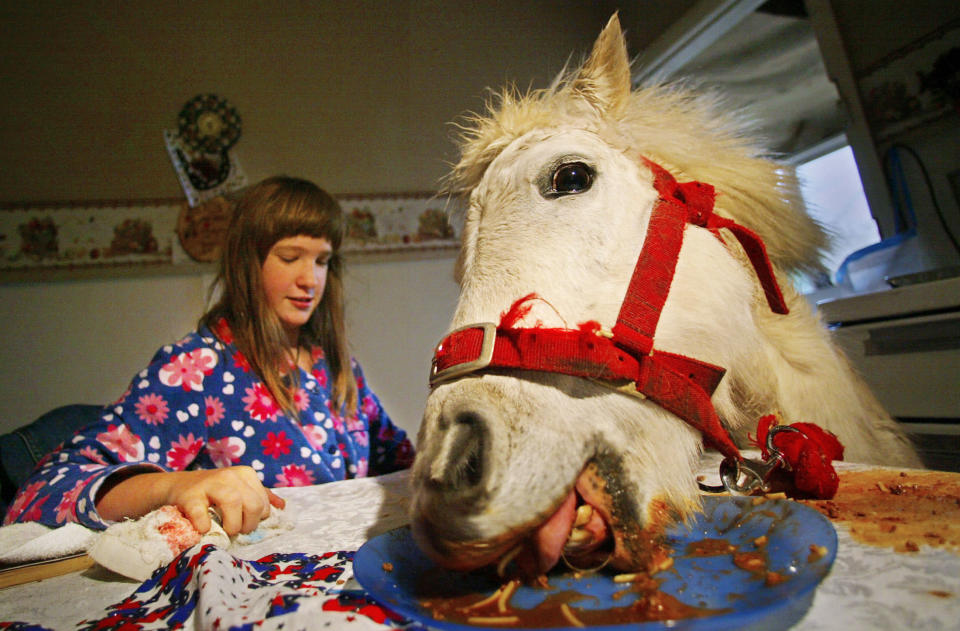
[626, 356]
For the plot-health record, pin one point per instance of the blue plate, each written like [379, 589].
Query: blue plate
[731, 597]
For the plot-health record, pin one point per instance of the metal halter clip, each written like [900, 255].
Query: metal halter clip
[742, 477]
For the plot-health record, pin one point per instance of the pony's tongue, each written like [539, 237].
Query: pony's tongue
[577, 532]
[548, 540]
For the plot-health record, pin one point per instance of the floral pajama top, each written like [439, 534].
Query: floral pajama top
[198, 405]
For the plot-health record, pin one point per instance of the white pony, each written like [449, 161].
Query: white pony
[562, 187]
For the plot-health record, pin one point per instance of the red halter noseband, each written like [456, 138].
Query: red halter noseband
[626, 356]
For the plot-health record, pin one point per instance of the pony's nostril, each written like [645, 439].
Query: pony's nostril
[459, 465]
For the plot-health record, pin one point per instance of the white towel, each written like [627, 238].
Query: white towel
[23, 543]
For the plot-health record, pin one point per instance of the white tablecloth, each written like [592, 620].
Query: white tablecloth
[867, 588]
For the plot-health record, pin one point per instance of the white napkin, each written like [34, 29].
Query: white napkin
[26, 542]
[135, 548]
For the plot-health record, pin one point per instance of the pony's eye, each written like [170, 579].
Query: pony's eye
[571, 178]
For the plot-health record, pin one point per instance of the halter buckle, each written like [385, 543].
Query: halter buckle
[489, 330]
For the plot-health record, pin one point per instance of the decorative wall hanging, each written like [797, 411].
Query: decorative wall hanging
[208, 126]
[203, 228]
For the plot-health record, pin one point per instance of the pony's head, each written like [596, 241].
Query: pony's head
[562, 186]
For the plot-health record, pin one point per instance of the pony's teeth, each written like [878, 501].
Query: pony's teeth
[584, 513]
[578, 535]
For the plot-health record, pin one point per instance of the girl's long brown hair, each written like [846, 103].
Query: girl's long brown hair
[277, 208]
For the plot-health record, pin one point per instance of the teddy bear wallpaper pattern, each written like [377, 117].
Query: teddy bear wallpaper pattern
[78, 234]
[82, 235]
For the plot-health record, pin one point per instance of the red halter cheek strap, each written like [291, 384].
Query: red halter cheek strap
[627, 355]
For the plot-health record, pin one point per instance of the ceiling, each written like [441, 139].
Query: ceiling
[769, 64]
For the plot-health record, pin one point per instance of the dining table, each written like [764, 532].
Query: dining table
[302, 575]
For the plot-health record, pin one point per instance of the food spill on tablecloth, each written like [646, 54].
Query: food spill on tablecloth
[903, 510]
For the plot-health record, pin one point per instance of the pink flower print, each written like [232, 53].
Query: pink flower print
[295, 475]
[152, 409]
[90, 453]
[241, 361]
[188, 369]
[260, 403]
[222, 330]
[179, 372]
[370, 408]
[204, 359]
[361, 438]
[27, 495]
[363, 466]
[123, 442]
[321, 376]
[227, 451]
[276, 445]
[301, 400]
[214, 410]
[67, 508]
[335, 418]
[183, 451]
[316, 436]
[358, 431]
[35, 512]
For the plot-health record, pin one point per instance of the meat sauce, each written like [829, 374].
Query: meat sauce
[560, 608]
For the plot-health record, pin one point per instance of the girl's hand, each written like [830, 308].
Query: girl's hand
[234, 492]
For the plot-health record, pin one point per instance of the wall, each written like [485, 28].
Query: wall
[356, 96]
[397, 312]
[82, 342]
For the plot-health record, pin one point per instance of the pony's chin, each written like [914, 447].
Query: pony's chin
[585, 532]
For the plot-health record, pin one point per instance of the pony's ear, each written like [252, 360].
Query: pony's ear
[604, 79]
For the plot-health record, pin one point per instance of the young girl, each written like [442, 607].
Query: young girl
[263, 394]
